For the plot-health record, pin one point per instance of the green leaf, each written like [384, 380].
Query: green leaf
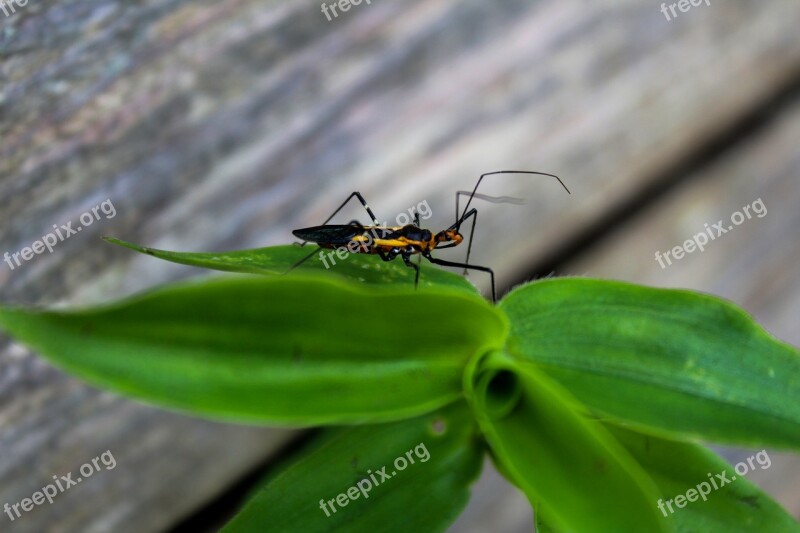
[297, 351]
[668, 362]
[277, 260]
[424, 496]
[576, 475]
[736, 505]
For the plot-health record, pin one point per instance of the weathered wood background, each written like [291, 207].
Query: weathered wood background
[223, 124]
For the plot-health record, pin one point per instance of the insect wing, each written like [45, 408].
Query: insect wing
[329, 234]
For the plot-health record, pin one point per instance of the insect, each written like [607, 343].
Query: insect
[390, 242]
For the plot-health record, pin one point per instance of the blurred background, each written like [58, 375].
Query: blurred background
[219, 125]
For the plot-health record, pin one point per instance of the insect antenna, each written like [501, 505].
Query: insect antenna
[467, 213]
[460, 219]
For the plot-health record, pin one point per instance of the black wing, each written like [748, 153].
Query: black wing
[341, 235]
[329, 234]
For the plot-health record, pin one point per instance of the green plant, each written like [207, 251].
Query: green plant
[589, 395]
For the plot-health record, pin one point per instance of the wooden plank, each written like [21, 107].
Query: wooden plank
[217, 125]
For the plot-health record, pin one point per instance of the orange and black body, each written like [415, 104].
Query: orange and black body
[403, 241]
[376, 239]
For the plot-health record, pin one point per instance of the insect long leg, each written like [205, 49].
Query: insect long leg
[303, 260]
[419, 260]
[363, 202]
[442, 262]
[474, 214]
[407, 260]
[360, 199]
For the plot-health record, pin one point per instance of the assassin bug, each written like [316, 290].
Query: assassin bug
[389, 242]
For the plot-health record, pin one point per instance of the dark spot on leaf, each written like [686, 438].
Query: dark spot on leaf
[600, 465]
[438, 426]
[752, 501]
